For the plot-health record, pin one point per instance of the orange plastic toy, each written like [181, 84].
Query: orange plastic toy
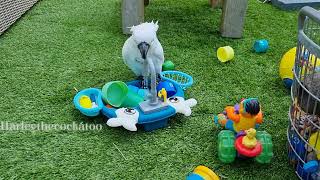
[242, 116]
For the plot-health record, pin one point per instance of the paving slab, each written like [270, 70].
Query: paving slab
[295, 4]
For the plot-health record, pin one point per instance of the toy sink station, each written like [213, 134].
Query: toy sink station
[149, 101]
[129, 104]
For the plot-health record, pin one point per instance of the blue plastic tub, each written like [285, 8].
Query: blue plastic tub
[151, 121]
[95, 96]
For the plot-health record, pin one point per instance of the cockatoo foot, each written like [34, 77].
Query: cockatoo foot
[144, 84]
[158, 80]
[140, 78]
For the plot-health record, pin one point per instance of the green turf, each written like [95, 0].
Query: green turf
[63, 44]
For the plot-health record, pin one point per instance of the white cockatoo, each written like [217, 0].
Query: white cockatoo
[143, 44]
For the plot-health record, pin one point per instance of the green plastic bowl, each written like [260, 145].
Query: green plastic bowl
[117, 94]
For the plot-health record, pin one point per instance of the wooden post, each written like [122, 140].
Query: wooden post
[215, 3]
[233, 16]
[132, 14]
[146, 2]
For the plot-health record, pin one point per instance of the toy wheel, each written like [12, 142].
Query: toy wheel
[267, 152]
[226, 149]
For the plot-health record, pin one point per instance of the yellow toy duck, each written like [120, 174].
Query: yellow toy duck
[250, 140]
[85, 102]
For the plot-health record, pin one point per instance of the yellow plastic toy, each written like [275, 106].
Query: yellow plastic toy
[287, 64]
[204, 173]
[85, 102]
[314, 141]
[163, 93]
[225, 53]
[250, 140]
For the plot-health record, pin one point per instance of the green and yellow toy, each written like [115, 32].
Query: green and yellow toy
[241, 139]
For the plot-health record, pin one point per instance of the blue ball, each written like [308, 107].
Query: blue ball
[311, 166]
[261, 46]
[287, 82]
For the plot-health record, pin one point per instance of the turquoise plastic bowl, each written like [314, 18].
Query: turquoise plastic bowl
[182, 79]
[91, 112]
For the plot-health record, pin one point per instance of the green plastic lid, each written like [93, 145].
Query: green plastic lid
[168, 66]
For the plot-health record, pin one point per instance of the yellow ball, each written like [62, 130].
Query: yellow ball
[287, 63]
[314, 141]
[85, 102]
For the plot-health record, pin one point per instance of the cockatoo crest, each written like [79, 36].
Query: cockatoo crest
[143, 44]
[145, 32]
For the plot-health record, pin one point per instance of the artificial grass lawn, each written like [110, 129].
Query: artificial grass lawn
[63, 44]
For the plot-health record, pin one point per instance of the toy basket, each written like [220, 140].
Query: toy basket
[304, 114]
[182, 79]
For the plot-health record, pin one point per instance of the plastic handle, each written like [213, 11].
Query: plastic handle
[306, 14]
[310, 13]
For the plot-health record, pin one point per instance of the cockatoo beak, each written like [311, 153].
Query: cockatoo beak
[144, 48]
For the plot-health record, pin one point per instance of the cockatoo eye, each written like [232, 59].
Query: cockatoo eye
[138, 42]
[130, 111]
[151, 42]
[135, 41]
[174, 99]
